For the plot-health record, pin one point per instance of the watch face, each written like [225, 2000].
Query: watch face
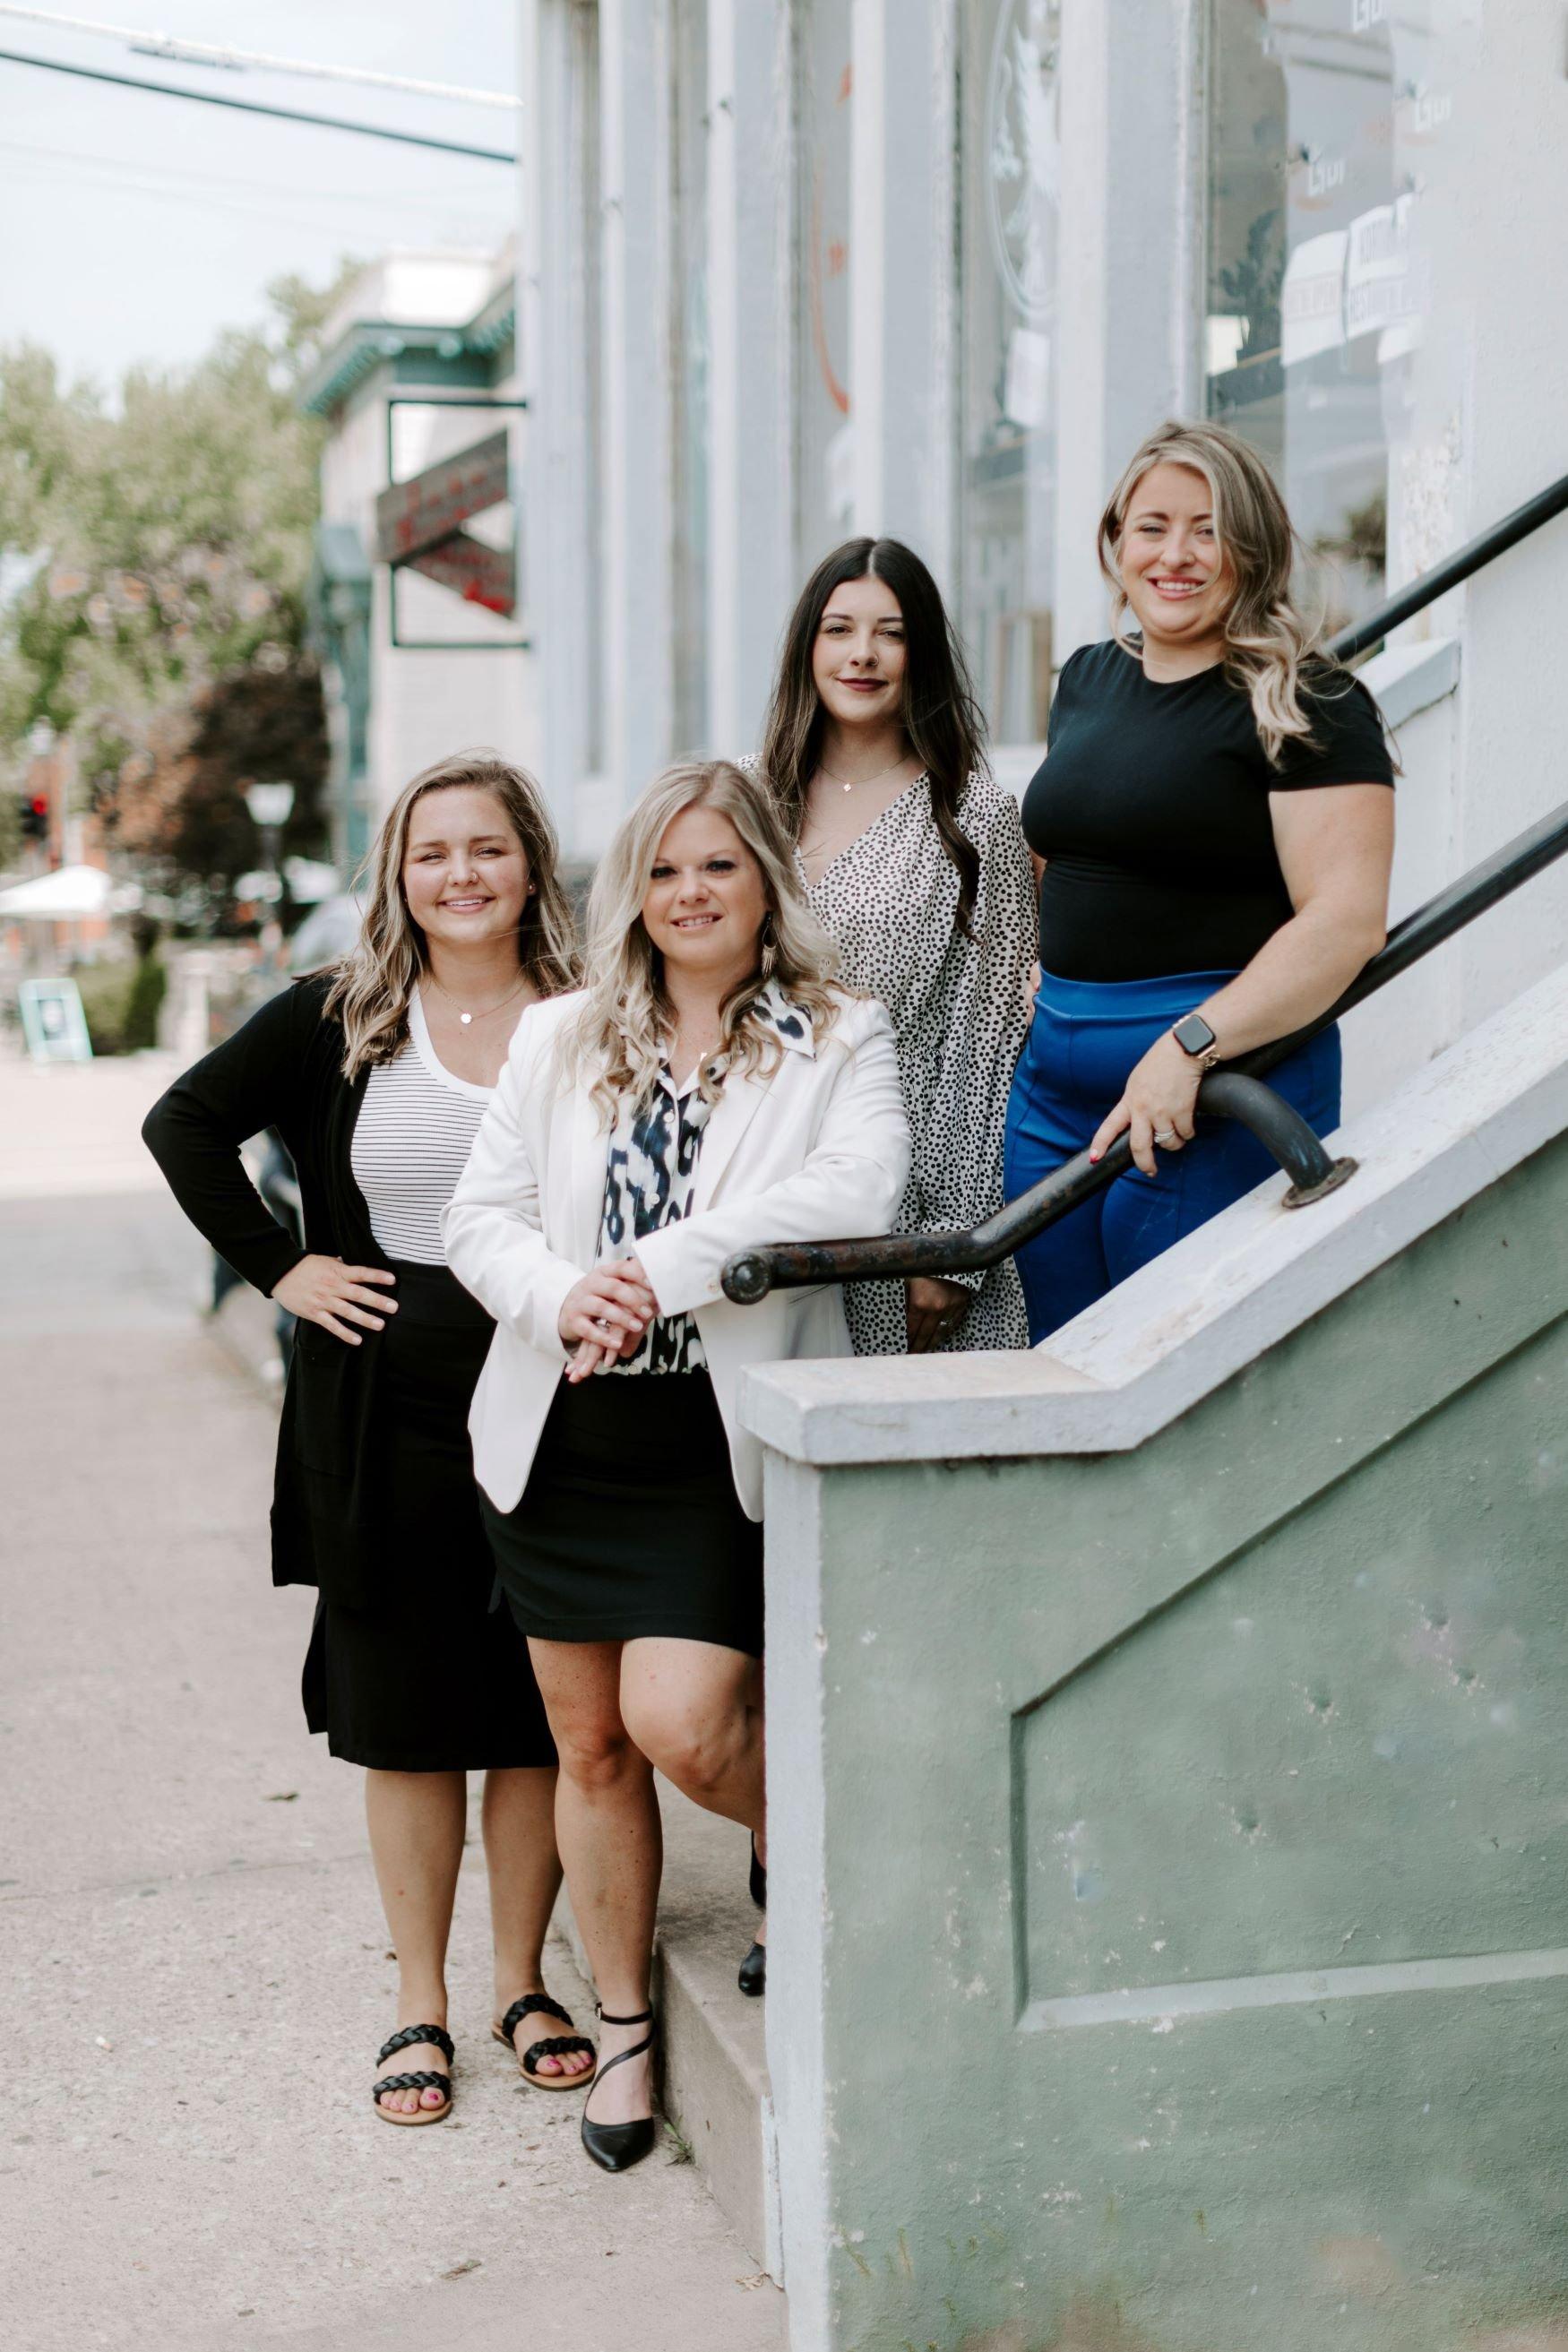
[1193, 1034]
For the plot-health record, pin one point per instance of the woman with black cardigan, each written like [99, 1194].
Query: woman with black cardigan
[376, 1075]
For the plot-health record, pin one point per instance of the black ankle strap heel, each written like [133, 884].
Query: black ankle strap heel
[615, 2147]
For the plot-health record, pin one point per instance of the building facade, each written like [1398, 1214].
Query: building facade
[794, 270]
[417, 368]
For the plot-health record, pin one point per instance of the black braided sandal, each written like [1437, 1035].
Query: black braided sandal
[427, 2081]
[558, 2045]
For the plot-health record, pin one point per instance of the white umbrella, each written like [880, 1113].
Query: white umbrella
[55, 897]
[310, 880]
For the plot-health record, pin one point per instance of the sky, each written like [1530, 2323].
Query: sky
[132, 228]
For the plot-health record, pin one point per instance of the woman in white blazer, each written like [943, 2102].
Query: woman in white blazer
[711, 1089]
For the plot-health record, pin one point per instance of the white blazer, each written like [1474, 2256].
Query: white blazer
[817, 1150]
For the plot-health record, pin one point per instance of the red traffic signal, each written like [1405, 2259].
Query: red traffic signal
[34, 816]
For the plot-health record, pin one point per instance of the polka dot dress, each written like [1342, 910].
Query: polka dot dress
[959, 1009]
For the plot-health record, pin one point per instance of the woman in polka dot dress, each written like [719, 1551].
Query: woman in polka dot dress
[915, 861]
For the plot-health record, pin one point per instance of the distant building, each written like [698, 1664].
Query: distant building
[417, 367]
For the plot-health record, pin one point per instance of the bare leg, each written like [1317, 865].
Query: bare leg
[607, 1825]
[518, 1820]
[695, 1710]
[416, 1822]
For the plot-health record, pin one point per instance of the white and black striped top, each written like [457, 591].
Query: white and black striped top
[416, 1128]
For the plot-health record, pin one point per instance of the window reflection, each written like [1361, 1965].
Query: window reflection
[824, 449]
[688, 172]
[1010, 192]
[1326, 122]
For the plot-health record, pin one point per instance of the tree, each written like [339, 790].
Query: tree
[157, 554]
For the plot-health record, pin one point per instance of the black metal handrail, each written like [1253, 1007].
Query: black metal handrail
[791, 1266]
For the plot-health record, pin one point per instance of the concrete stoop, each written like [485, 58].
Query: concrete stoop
[715, 2073]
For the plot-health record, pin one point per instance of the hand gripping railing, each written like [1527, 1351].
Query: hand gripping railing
[1231, 1093]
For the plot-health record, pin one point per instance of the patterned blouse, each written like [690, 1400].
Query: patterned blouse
[650, 1179]
[959, 1009]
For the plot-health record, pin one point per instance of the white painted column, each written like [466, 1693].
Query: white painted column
[554, 374]
[638, 618]
[1130, 264]
[750, 185]
[903, 310]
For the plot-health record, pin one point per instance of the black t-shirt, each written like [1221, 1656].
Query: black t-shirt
[1152, 812]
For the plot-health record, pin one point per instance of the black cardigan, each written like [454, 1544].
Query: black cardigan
[284, 1069]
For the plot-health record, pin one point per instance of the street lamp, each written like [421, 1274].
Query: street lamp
[270, 806]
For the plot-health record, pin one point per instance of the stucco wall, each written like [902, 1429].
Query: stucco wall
[1171, 1919]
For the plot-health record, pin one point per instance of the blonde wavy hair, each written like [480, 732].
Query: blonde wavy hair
[374, 983]
[618, 1034]
[1267, 640]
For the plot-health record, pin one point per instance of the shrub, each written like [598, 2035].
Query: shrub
[121, 1002]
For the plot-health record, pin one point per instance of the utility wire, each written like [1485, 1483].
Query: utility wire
[207, 53]
[75, 160]
[250, 106]
[162, 192]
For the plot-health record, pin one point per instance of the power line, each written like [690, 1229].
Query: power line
[207, 53]
[149, 193]
[75, 159]
[251, 106]
[162, 192]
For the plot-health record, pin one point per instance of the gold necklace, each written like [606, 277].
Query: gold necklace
[485, 1011]
[856, 780]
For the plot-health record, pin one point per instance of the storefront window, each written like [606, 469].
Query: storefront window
[1327, 127]
[689, 194]
[824, 449]
[1010, 192]
[582, 147]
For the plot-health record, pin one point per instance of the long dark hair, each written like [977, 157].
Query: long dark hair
[941, 716]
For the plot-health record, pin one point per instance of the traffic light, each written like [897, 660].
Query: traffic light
[34, 814]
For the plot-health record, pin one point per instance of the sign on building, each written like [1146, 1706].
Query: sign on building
[423, 523]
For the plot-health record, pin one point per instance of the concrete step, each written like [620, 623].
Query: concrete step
[715, 2081]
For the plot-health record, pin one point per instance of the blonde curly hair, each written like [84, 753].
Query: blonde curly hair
[618, 1034]
[374, 983]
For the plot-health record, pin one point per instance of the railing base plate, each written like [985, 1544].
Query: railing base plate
[1301, 1196]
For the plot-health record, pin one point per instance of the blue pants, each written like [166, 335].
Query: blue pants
[1085, 1039]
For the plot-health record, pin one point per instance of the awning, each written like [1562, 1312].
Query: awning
[69, 891]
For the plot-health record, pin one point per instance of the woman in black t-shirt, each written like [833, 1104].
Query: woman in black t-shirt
[1216, 829]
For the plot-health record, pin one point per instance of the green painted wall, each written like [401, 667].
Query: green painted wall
[1282, 1695]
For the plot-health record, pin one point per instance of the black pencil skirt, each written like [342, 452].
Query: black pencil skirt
[433, 1678]
[630, 1525]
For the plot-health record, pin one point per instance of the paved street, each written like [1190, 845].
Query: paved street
[188, 1922]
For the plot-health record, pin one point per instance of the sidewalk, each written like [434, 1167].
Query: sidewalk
[187, 1914]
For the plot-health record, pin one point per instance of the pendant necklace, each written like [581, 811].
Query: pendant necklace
[856, 780]
[484, 1013]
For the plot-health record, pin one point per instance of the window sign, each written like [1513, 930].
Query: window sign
[1011, 188]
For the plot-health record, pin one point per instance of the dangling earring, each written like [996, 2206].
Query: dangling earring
[770, 952]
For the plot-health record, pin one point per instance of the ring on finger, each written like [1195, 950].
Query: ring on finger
[1166, 1135]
